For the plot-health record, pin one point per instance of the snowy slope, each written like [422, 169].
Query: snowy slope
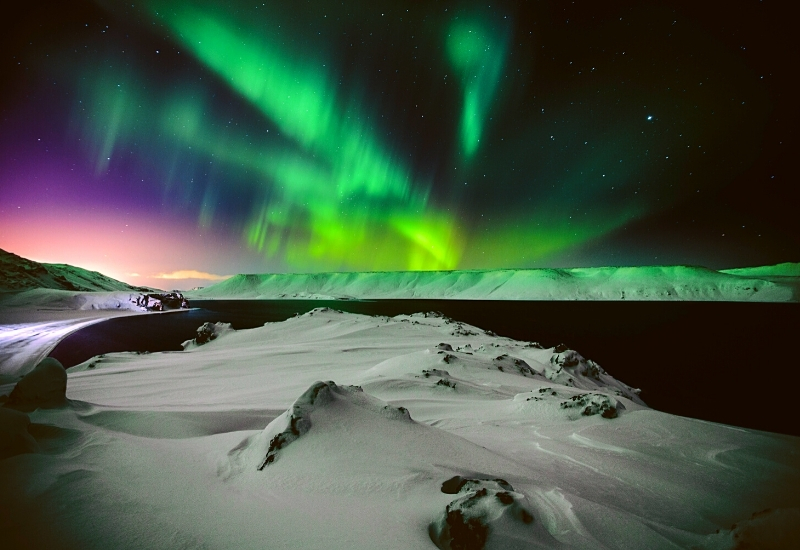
[343, 431]
[606, 283]
[17, 273]
[786, 269]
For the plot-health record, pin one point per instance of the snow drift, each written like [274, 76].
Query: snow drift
[435, 433]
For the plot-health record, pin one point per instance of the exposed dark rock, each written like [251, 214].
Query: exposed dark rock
[571, 359]
[591, 404]
[427, 373]
[507, 363]
[460, 330]
[207, 332]
[296, 421]
[483, 510]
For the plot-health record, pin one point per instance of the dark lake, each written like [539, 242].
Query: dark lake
[719, 361]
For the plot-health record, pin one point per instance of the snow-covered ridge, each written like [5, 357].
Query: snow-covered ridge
[786, 269]
[602, 283]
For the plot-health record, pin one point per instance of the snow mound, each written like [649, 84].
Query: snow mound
[14, 436]
[590, 404]
[568, 367]
[559, 404]
[206, 333]
[322, 398]
[44, 387]
[485, 514]
[497, 368]
[506, 363]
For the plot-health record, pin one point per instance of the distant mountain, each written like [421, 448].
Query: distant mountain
[17, 273]
[651, 283]
[779, 270]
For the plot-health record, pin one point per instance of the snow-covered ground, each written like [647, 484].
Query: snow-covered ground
[33, 321]
[336, 430]
[603, 283]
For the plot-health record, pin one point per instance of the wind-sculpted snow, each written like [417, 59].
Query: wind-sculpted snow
[435, 433]
[321, 399]
[606, 283]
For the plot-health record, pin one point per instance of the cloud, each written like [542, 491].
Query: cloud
[191, 274]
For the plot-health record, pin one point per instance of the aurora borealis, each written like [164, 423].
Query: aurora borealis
[151, 138]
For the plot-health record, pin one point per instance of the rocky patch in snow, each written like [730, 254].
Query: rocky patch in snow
[206, 333]
[569, 358]
[569, 368]
[506, 363]
[576, 405]
[299, 418]
[590, 404]
[485, 513]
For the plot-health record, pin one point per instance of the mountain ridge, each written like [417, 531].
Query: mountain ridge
[590, 283]
[18, 273]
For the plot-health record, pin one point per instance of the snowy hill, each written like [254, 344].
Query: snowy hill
[603, 283]
[17, 273]
[786, 269]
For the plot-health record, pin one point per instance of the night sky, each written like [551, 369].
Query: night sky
[151, 138]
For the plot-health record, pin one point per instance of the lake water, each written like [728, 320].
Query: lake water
[718, 361]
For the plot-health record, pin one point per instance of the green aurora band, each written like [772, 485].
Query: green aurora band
[318, 184]
[478, 55]
[333, 196]
[360, 205]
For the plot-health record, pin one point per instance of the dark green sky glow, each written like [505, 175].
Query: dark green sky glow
[315, 136]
